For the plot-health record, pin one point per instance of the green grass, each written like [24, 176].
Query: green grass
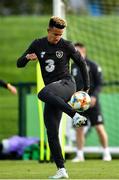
[91, 169]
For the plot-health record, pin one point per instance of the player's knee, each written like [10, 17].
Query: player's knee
[39, 95]
[42, 94]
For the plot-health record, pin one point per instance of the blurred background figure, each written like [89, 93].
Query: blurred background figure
[8, 86]
[93, 114]
[15, 146]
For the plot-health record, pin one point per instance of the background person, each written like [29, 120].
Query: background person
[93, 113]
[8, 86]
[16, 145]
[54, 53]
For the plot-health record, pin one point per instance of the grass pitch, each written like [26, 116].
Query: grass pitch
[90, 169]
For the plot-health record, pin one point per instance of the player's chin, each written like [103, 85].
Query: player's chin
[56, 41]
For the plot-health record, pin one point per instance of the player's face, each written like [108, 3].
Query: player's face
[82, 50]
[54, 35]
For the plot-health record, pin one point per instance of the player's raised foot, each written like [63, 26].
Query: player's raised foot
[78, 120]
[60, 174]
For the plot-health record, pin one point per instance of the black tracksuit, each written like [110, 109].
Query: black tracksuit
[59, 85]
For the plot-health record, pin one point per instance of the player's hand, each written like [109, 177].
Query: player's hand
[93, 101]
[12, 88]
[31, 56]
[87, 90]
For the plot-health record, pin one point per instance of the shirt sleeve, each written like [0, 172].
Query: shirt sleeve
[3, 84]
[22, 61]
[78, 59]
[98, 79]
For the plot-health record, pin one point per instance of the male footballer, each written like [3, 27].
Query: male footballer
[53, 54]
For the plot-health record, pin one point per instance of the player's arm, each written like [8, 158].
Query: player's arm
[77, 58]
[3, 84]
[11, 88]
[97, 75]
[8, 86]
[98, 79]
[27, 56]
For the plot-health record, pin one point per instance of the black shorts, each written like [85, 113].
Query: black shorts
[94, 115]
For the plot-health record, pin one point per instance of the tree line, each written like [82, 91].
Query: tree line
[25, 7]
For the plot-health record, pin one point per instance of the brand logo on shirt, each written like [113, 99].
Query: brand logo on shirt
[59, 54]
[99, 118]
[42, 54]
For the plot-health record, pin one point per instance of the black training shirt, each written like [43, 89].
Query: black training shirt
[54, 60]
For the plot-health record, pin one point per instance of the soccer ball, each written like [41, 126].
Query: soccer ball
[80, 101]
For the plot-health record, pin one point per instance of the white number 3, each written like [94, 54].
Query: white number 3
[50, 65]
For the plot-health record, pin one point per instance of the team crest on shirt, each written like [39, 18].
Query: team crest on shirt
[59, 54]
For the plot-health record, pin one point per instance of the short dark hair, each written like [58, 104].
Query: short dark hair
[57, 22]
[79, 44]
